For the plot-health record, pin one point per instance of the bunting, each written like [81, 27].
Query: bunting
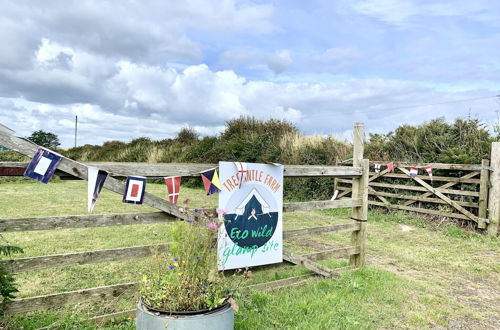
[413, 172]
[390, 167]
[377, 168]
[173, 187]
[42, 166]
[242, 170]
[96, 178]
[428, 168]
[211, 181]
[134, 190]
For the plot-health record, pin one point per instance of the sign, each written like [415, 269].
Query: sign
[252, 232]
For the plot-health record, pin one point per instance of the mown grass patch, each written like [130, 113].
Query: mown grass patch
[421, 278]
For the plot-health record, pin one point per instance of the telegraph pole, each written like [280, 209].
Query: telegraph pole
[76, 128]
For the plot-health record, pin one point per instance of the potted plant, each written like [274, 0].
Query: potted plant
[183, 288]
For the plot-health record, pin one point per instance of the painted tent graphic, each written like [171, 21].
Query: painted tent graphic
[253, 214]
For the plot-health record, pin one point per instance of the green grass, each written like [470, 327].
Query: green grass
[420, 278]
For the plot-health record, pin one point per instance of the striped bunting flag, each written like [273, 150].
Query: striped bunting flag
[428, 168]
[413, 172]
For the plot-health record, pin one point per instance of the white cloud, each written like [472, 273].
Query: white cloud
[336, 60]
[279, 61]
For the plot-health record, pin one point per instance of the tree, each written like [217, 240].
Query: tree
[44, 139]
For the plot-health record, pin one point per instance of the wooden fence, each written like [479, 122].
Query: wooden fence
[170, 212]
[459, 191]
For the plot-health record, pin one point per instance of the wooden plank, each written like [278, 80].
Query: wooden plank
[442, 196]
[444, 186]
[306, 263]
[372, 191]
[438, 166]
[337, 228]
[88, 257]
[80, 170]
[278, 284]
[79, 258]
[317, 205]
[82, 221]
[420, 210]
[96, 295]
[417, 188]
[160, 170]
[374, 176]
[483, 194]
[418, 198]
[494, 198]
[343, 252]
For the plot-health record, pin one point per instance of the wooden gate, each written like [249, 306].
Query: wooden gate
[170, 212]
[463, 188]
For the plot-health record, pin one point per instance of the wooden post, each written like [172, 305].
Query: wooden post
[483, 193]
[494, 198]
[359, 191]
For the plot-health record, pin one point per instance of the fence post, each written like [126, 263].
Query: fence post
[359, 191]
[494, 198]
[483, 193]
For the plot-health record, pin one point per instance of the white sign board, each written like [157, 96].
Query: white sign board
[252, 233]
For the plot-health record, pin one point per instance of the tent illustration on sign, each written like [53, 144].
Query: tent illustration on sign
[254, 216]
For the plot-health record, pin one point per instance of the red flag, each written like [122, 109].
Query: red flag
[173, 187]
[390, 167]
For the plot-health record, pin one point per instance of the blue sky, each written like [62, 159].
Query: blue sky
[131, 69]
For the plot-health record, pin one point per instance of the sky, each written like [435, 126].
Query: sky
[130, 69]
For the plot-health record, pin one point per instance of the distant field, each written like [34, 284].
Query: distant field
[417, 277]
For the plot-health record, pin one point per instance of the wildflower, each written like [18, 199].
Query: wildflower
[212, 225]
[182, 210]
[196, 210]
[144, 278]
[204, 212]
[198, 257]
[220, 211]
[176, 264]
[176, 259]
[171, 267]
[186, 201]
[212, 246]
[189, 220]
[180, 273]
[183, 262]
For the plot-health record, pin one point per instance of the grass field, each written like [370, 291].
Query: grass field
[418, 276]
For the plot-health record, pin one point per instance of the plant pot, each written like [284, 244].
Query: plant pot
[221, 318]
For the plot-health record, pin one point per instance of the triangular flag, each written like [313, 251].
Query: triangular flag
[211, 181]
[134, 190]
[377, 168]
[413, 172]
[96, 178]
[428, 168]
[242, 170]
[42, 165]
[390, 167]
[173, 187]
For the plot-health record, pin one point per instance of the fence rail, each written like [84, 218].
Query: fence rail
[68, 168]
